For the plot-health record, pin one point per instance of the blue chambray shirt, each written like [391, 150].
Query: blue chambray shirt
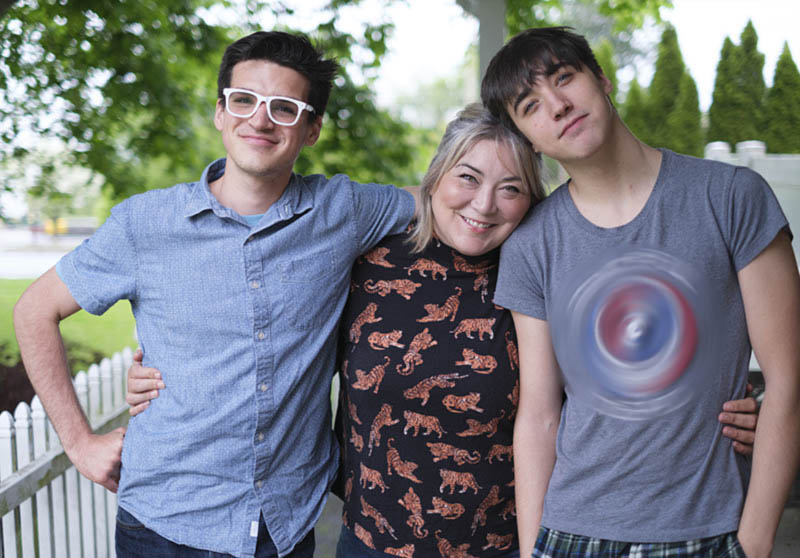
[242, 323]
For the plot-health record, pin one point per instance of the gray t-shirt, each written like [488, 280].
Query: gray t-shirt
[673, 477]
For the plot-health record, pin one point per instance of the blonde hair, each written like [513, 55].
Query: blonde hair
[471, 125]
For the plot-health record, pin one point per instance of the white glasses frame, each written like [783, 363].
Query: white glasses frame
[266, 99]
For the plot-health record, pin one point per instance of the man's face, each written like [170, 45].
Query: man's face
[565, 115]
[256, 146]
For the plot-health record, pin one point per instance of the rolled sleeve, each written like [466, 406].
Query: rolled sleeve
[381, 210]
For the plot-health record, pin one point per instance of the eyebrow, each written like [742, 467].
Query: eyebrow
[549, 71]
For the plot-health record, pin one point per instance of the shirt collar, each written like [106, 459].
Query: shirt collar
[296, 198]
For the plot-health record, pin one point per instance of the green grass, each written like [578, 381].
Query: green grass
[87, 338]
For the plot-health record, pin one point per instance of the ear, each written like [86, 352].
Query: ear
[313, 131]
[606, 84]
[219, 115]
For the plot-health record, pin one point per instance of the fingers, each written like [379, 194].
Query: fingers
[138, 355]
[746, 405]
[138, 408]
[739, 435]
[742, 420]
[744, 449]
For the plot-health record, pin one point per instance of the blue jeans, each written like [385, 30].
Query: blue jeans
[134, 540]
[350, 546]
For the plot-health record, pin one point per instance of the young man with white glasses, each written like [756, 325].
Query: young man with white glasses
[237, 282]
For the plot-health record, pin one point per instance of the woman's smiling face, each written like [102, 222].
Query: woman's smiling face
[479, 201]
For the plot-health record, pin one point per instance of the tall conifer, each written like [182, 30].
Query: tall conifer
[635, 110]
[684, 131]
[663, 90]
[782, 107]
[727, 106]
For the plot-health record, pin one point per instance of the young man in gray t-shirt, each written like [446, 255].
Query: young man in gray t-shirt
[633, 463]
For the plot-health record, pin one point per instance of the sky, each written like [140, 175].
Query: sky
[431, 37]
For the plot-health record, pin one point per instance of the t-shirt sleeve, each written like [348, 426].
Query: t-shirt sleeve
[380, 210]
[519, 281]
[755, 216]
[102, 269]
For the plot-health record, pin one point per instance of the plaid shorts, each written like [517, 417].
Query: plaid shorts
[557, 544]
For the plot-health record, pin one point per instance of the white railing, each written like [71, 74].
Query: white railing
[47, 508]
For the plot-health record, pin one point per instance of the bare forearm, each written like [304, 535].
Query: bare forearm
[534, 458]
[775, 463]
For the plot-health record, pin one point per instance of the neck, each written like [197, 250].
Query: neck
[612, 185]
[247, 194]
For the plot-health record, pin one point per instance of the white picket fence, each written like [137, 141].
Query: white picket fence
[47, 508]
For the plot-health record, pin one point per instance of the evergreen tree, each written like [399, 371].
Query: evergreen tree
[663, 90]
[684, 130]
[782, 107]
[736, 112]
[727, 104]
[604, 52]
[635, 109]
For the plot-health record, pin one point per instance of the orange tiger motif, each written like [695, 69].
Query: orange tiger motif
[452, 478]
[367, 316]
[374, 378]
[510, 509]
[462, 403]
[377, 256]
[403, 287]
[478, 429]
[499, 451]
[383, 418]
[405, 551]
[356, 439]
[364, 536]
[404, 469]
[423, 389]
[481, 285]
[442, 451]
[351, 408]
[471, 325]
[413, 506]
[446, 509]
[460, 264]
[380, 522]
[500, 542]
[417, 421]
[481, 364]
[348, 486]
[513, 352]
[373, 477]
[492, 499]
[438, 313]
[447, 550]
[423, 264]
[422, 340]
[380, 341]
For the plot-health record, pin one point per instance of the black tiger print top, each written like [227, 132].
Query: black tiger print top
[429, 376]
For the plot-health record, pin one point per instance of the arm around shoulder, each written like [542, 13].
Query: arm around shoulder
[36, 318]
[536, 424]
[770, 287]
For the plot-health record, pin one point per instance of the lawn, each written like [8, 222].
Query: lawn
[88, 338]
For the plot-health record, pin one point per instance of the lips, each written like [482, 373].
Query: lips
[571, 125]
[476, 224]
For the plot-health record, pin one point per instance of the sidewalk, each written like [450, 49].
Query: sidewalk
[26, 255]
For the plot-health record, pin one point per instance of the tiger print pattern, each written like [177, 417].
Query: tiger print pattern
[449, 309]
[512, 352]
[448, 510]
[427, 359]
[421, 341]
[403, 287]
[482, 364]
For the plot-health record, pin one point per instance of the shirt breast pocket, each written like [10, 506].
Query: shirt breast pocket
[311, 288]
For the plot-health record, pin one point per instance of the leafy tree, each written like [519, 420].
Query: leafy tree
[635, 109]
[736, 112]
[782, 107]
[604, 52]
[683, 130]
[662, 93]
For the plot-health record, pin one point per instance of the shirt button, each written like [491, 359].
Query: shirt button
[260, 436]
[259, 484]
[255, 284]
[263, 387]
[260, 335]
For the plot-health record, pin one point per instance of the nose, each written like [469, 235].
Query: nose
[483, 201]
[260, 118]
[560, 105]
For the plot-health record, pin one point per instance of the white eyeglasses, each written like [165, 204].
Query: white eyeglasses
[283, 111]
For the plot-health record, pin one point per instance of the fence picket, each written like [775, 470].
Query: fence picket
[6, 468]
[42, 498]
[60, 533]
[22, 425]
[87, 520]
